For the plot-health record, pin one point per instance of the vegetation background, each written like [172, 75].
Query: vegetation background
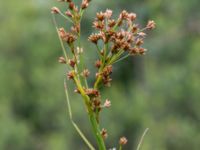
[160, 90]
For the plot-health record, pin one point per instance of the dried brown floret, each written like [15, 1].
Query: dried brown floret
[123, 141]
[68, 13]
[92, 92]
[62, 60]
[98, 64]
[72, 62]
[151, 25]
[71, 74]
[100, 16]
[94, 38]
[55, 10]
[104, 133]
[85, 73]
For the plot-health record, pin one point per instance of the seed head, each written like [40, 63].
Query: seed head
[55, 10]
[71, 74]
[94, 38]
[72, 62]
[85, 73]
[68, 13]
[71, 5]
[98, 64]
[98, 24]
[132, 16]
[62, 60]
[92, 92]
[142, 34]
[84, 4]
[139, 42]
[104, 133]
[107, 103]
[151, 25]
[111, 23]
[108, 13]
[123, 141]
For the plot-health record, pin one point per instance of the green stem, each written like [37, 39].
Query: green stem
[142, 138]
[72, 121]
[97, 132]
[61, 42]
[92, 117]
[120, 147]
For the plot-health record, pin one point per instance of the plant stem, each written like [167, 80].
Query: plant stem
[142, 138]
[92, 117]
[120, 147]
[96, 130]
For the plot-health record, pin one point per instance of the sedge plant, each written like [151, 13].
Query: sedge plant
[121, 38]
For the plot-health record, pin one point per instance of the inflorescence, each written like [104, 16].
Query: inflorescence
[121, 37]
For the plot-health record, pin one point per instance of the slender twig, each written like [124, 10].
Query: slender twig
[122, 58]
[142, 138]
[67, 18]
[61, 42]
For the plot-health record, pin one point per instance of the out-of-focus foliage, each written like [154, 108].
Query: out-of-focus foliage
[160, 90]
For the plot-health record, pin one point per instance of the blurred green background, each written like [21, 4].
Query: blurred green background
[160, 90]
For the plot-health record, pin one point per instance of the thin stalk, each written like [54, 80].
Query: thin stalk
[61, 42]
[67, 18]
[98, 51]
[120, 147]
[142, 138]
[97, 132]
[92, 117]
[122, 58]
[73, 123]
[86, 83]
[116, 57]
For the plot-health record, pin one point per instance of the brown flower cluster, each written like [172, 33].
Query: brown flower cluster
[67, 37]
[121, 37]
[122, 33]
